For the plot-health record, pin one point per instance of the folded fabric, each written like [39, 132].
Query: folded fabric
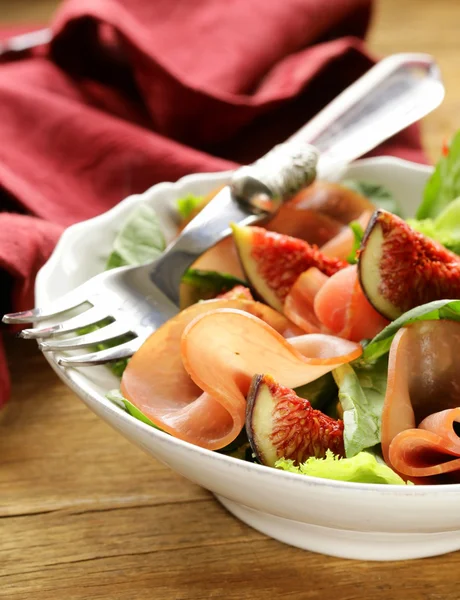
[133, 92]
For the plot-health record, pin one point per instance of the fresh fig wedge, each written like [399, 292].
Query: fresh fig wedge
[400, 268]
[279, 424]
[272, 262]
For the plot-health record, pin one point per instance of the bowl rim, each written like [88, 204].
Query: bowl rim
[84, 386]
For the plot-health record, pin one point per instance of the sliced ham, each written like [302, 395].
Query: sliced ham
[362, 321]
[222, 350]
[332, 300]
[305, 224]
[298, 305]
[191, 376]
[333, 200]
[422, 401]
[156, 382]
[341, 306]
[432, 449]
[335, 305]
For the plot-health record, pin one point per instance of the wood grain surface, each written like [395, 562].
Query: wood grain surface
[85, 515]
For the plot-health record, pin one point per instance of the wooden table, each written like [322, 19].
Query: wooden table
[85, 515]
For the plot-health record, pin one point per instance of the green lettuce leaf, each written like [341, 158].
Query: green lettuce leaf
[445, 228]
[439, 309]
[444, 185]
[203, 285]
[117, 367]
[376, 193]
[361, 394]
[186, 205]
[139, 241]
[358, 233]
[117, 398]
[361, 468]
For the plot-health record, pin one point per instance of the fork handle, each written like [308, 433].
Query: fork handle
[275, 177]
[396, 92]
[254, 195]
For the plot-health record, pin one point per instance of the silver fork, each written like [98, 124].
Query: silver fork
[132, 302]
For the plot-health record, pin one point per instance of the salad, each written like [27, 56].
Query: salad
[326, 343]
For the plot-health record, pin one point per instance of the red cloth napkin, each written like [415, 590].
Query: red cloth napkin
[133, 92]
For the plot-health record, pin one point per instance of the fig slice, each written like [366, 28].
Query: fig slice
[400, 268]
[272, 262]
[280, 424]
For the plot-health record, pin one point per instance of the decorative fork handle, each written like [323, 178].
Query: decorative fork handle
[396, 92]
[254, 194]
[275, 177]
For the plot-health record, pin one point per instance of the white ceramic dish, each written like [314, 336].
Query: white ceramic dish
[350, 520]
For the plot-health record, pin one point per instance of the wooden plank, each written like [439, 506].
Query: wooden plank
[57, 454]
[187, 552]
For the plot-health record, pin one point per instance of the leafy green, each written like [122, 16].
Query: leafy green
[444, 185]
[445, 228]
[139, 241]
[361, 468]
[117, 398]
[186, 205]
[361, 394]
[320, 393]
[137, 414]
[203, 285]
[358, 233]
[376, 193]
[439, 309]
[117, 367]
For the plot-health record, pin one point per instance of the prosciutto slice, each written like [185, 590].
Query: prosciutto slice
[421, 414]
[298, 305]
[335, 305]
[192, 375]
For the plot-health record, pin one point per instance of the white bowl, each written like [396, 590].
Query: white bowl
[350, 520]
